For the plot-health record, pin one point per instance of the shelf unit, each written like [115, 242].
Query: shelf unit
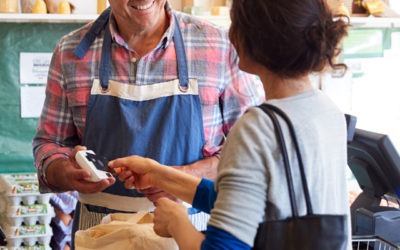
[46, 18]
[79, 18]
[374, 22]
[356, 22]
[222, 20]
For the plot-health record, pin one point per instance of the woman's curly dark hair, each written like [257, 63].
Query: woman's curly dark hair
[289, 37]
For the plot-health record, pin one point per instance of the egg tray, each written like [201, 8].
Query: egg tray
[19, 183]
[30, 210]
[33, 247]
[26, 220]
[18, 177]
[29, 235]
[26, 199]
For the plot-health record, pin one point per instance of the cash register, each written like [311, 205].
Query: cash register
[375, 164]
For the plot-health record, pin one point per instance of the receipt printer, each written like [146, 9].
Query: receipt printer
[379, 220]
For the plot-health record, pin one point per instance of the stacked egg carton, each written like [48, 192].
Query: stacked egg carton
[25, 214]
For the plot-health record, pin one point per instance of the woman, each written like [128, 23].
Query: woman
[282, 42]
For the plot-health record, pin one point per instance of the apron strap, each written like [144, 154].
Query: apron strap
[93, 32]
[105, 64]
[180, 56]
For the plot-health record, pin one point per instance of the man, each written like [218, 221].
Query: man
[142, 79]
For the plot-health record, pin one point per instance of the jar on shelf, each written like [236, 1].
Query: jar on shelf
[101, 5]
[64, 7]
[8, 6]
[27, 6]
[39, 7]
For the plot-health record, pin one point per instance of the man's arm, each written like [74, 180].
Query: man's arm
[56, 133]
[205, 168]
[65, 175]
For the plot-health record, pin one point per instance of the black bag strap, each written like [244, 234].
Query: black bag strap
[270, 110]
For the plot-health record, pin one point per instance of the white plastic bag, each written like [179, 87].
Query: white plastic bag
[123, 231]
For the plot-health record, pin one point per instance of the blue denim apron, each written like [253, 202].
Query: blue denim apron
[162, 121]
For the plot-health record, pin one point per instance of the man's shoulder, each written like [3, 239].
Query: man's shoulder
[75, 36]
[195, 25]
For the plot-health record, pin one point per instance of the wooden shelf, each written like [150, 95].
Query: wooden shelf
[357, 22]
[79, 18]
[46, 18]
[374, 22]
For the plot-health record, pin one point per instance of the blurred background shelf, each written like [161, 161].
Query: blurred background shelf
[375, 22]
[367, 22]
[80, 18]
[46, 18]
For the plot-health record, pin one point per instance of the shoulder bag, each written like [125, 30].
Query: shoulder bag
[311, 231]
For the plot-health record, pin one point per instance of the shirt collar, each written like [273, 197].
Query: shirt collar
[165, 40]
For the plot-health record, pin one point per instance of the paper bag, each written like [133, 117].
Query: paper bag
[123, 231]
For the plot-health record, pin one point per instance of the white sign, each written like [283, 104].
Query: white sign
[32, 100]
[34, 67]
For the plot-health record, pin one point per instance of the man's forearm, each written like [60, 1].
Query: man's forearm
[177, 183]
[54, 175]
[182, 181]
[205, 168]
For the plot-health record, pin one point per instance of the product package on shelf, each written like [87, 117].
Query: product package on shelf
[25, 214]
[36, 235]
[29, 214]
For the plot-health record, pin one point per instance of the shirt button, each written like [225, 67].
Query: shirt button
[133, 59]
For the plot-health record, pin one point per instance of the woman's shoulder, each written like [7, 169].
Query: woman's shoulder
[254, 124]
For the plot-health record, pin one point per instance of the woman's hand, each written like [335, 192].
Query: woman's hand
[171, 220]
[154, 179]
[135, 171]
[167, 215]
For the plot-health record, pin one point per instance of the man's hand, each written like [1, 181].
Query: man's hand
[66, 175]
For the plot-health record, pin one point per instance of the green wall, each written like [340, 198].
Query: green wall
[16, 133]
